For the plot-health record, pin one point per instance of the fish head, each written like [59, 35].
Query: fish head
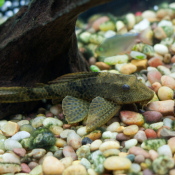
[128, 89]
[101, 50]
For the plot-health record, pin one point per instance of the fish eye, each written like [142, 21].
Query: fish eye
[125, 87]
[101, 48]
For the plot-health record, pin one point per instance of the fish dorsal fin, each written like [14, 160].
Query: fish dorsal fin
[100, 111]
[73, 76]
[75, 109]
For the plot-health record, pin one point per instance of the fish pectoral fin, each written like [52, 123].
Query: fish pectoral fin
[75, 109]
[100, 112]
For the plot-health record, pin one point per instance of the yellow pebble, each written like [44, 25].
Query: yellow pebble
[10, 128]
[76, 162]
[143, 166]
[120, 129]
[123, 154]
[60, 143]
[131, 130]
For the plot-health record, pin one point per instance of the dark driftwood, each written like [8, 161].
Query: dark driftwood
[39, 44]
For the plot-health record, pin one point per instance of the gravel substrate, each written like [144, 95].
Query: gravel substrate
[136, 141]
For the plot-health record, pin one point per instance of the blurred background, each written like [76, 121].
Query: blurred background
[117, 7]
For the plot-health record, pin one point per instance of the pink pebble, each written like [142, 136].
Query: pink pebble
[154, 76]
[173, 59]
[168, 81]
[25, 168]
[155, 61]
[68, 151]
[19, 151]
[156, 86]
[99, 21]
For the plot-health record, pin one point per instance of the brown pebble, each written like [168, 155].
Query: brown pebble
[68, 151]
[102, 66]
[140, 64]
[122, 137]
[173, 59]
[32, 165]
[138, 151]
[94, 135]
[147, 172]
[66, 126]
[92, 60]
[139, 159]
[19, 151]
[25, 168]
[152, 116]
[167, 58]
[49, 114]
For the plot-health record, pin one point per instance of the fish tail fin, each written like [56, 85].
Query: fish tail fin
[146, 36]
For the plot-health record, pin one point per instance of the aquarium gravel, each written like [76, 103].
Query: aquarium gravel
[139, 140]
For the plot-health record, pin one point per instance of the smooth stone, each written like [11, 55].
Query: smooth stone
[140, 64]
[60, 142]
[94, 135]
[155, 62]
[168, 81]
[11, 158]
[164, 70]
[150, 133]
[38, 121]
[172, 172]
[155, 86]
[37, 170]
[171, 143]
[118, 163]
[135, 168]
[164, 107]
[10, 128]
[55, 110]
[52, 166]
[10, 144]
[9, 168]
[128, 69]
[19, 151]
[167, 122]
[109, 135]
[82, 131]
[164, 150]
[109, 145]
[83, 151]
[20, 135]
[25, 168]
[97, 22]
[160, 49]
[102, 66]
[139, 159]
[65, 133]
[67, 161]
[68, 151]
[85, 163]
[37, 153]
[132, 118]
[95, 145]
[23, 122]
[152, 116]
[130, 143]
[56, 130]
[154, 76]
[140, 136]
[113, 127]
[111, 152]
[32, 165]
[131, 157]
[122, 137]
[138, 151]
[147, 172]
[153, 154]
[165, 93]
[52, 121]
[86, 140]
[74, 140]
[75, 170]
[131, 130]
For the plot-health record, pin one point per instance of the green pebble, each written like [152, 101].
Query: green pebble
[94, 68]
[28, 128]
[131, 157]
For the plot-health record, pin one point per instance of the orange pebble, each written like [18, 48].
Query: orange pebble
[156, 86]
[150, 133]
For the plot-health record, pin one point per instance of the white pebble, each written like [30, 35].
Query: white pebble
[65, 133]
[142, 25]
[10, 144]
[109, 135]
[95, 145]
[130, 143]
[20, 135]
[164, 150]
[52, 121]
[164, 70]
[74, 140]
[11, 157]
[167, 122]
[135, 168]
[161, 49]
[82, 131]
[165, 23]
[85, 163]
[113, 127]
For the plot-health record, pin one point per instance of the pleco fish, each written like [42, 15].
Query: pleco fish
[121, 43]
[97, 96]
